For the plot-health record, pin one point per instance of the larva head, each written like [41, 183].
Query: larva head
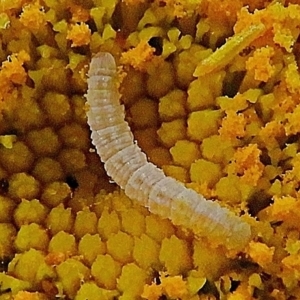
[103, 64]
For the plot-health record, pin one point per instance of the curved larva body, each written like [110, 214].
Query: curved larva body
[128, 166]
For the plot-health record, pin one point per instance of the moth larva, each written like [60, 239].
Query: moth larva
[127, 165]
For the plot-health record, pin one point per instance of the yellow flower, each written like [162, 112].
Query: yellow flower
[33, 17]
[138, 56]
[79, 34]
[261, 253]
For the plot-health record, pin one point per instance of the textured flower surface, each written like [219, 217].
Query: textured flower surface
[211, 96]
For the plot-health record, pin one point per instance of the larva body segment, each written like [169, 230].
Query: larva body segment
[121, 165]
[111, 147]
[107, 113]
[162, 194]
[141, 181]
[108, 135]
[127, 165]
[184, 205]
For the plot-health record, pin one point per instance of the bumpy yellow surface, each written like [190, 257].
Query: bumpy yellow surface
[211, 90]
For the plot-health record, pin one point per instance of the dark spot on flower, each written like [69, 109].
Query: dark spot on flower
[157, 43]
[234, 285]
[72, 182]
[4, 261]
[4, 185]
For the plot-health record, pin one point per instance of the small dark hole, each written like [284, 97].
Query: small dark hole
[258, 202]
[4, 262]
[4, 185]
[157, 43]
[72, 182]
[234, 285]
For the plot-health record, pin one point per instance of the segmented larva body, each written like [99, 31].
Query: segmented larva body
[141, 180]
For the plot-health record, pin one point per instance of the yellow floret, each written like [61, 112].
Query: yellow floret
[146, 252]
[186, 61]
[184, 153]
[132, 273]
[133, 78]
[18, 158]
[233, 125]
[174, 286]
[60, 219]
[260, 63]
[36, 140]
[85, 222]
[217, 150]
[74, 136]
[170, 132]
[133, 222]
[79, 13]
[210, 261]
[247, 164]
[160, 79]
[60, 112]
[30, 212]
[205, 172]
[33, 17]
[47, 169]
[71, 273]
[179, 263]
[152, 292]
[63, 242]
[90, 246]
[31, 236]
[29, 114]
[160, 156]
[22, 185]
[202, 124]
[229, 189]
[79, 34]
[176, 172]
[108, 224]
[138, 56]
[120, 247]
[271, 133]
[105, 271]
[172, 105]
[146, 138]
[200, 95]
[158, 228]
[72, 160]
[144, 113]
[237, 103]
[261, 253]
[26, 266]
[55, 193]
[13, 69]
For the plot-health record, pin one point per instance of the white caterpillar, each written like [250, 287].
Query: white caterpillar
[127, 165]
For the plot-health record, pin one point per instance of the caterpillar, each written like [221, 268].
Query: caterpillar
[141, 180]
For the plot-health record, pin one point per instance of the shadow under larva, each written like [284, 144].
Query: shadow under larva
[141, 180]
